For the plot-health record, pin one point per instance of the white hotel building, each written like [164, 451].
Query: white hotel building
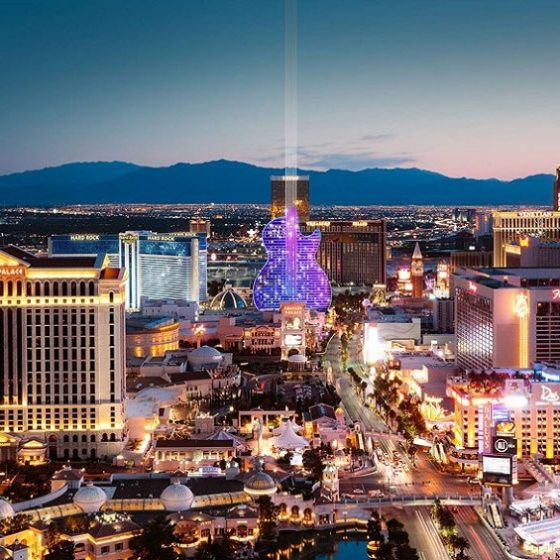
[507, 317]
[62, 353]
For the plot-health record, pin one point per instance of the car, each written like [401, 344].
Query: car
[358, 491]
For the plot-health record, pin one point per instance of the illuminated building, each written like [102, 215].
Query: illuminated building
[482, 224]
[443, 314]
[469, 259]
[291, 272]
[352, 252]
[442, 280]
[62, 350]
[417, 272]
[159, 266]
[199, 225]
[293, 316]
[150, 336]
[508, 226]
[404, 281]
[507, 317]
[290, 190]
[532, 251]
[531, 401]
[556, 191]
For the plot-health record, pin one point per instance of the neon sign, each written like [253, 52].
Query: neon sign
[473, 288]
[548, 395]
[556, 294]
[521, 306]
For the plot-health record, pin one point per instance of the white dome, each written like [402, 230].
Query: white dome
[297, 359]
[205, 355]
[6, 509]
[90, 498]
[177, 497]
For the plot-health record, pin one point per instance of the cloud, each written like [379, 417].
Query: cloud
[353, 161]
[352, 154]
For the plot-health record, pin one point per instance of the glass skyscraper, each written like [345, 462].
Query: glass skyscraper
[159, 265]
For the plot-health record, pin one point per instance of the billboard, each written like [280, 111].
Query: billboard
[497, 470]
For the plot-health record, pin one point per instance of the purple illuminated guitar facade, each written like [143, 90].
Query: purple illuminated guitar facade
[291, 272]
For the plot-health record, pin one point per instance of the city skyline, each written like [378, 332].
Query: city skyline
[465, 89]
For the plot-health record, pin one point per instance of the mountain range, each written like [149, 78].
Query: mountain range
[224, 181]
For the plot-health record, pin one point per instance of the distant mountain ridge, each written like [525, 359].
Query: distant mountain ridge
[225, 181]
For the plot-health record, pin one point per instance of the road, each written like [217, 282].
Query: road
[483, 545]
[423, 477]
[423, 534]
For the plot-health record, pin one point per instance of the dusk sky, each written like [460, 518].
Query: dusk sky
[466, 88]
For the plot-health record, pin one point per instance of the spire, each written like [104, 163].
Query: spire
[417, 253]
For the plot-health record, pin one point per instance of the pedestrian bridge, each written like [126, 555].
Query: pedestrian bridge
[411, 500]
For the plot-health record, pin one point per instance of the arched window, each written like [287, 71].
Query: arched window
[37, 289]
[84, 438]
[47, 288]
[66, 439]
[10, 288]
[64, 288]
[92, 438]
[75, 438]
[111, 297]
[113, 437]
[104, 437]
[55, 288]
[82, 288]
[19, 288]
[73, 289]
[91, 289]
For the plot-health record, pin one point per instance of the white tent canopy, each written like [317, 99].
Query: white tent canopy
[288, 439]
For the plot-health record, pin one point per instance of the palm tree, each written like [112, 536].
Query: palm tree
[155, 541]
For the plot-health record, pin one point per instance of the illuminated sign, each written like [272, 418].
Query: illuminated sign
[505, 427]
[521, 306]
[473, 288]
[556, 294]
[549, 396]
[318, 224]
[359, 224]
[12, 271]
[84, 237]
[497, 470]
[293, 340]
[160, 238]
[504, 445]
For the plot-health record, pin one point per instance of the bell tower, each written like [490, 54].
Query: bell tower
[417, 272]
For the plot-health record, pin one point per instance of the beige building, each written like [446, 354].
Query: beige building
[508, 226]
[508, 317]
[62, 352]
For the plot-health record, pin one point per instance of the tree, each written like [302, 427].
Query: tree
[62, 550]
[155, 541]
[313, 463]
[459, 545]
[385, 552]
[267, 521]
[215, 550]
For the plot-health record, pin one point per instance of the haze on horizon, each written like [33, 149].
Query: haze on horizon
[465, 88]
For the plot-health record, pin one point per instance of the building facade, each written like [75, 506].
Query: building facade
[160, 266]
[556, 191]
[352, 252]
[62, 351]
[530, 400]
[508, 226]
[507, 317]
[290, 190]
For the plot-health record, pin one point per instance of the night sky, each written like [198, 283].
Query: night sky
[462, 87]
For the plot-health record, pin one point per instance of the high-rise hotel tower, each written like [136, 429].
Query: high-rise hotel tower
[290, 190]
[62, 352]
[160, 265]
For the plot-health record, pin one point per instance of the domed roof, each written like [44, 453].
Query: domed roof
[205, 356]
[177, 497]
[6, 509]
[90, 498]
[297, 358]
[260, 483]
[228, 298]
